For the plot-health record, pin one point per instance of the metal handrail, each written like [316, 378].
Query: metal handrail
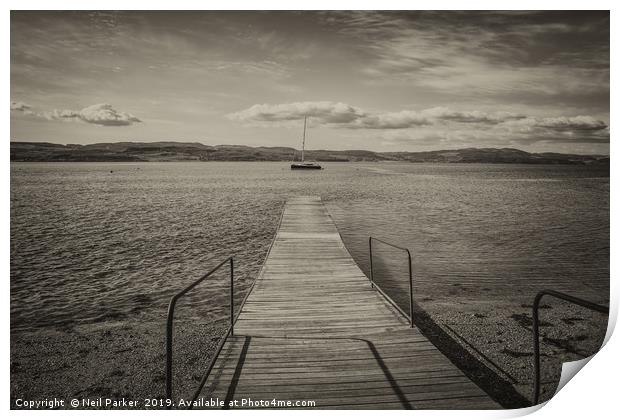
[372, 282]
[169, 330]
[559, 295]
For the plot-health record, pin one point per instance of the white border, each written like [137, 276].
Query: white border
[592, 395]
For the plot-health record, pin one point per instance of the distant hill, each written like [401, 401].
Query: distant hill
[177, 151]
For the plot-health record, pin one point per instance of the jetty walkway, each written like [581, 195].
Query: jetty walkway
[313, 329]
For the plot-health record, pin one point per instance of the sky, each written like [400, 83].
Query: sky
[382, 81]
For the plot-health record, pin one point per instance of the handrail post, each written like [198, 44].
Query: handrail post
[535, 328]
[232, 298]
[372, 281]
[410, 290]
[535, 335]
[169, 328]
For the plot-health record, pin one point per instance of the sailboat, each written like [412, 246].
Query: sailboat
[303, 164]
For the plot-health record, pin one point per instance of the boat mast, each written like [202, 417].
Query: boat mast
[303, 141]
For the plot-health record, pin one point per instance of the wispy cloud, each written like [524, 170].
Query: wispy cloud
[578, 123]
[324, 111]
[581, 128]
[100, 114]
[446, 114]
[448, 124]
[493, 53]
[411, 78]
[21, 107]
[341, 115]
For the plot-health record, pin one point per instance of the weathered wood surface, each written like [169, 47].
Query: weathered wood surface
[313, 329]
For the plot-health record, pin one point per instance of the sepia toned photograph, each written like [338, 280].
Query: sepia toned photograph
[393, 210]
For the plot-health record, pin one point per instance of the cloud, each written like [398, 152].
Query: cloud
[335, 114]
[499, 135]
[100, 114]
[340, 115]
[260, 68]
[578, 123]
[432, 116]
[392, 120]
[446, 114]
[500, 54]
[21, 107]
[581, 128]
[325, 112]
[442, 124]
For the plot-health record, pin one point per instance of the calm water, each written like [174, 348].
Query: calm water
[88, 244]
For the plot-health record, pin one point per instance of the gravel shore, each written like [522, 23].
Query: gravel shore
[108, 360]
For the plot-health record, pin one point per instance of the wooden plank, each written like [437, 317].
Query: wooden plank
[314, 329]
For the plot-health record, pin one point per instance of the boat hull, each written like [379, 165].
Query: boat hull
[305, 166]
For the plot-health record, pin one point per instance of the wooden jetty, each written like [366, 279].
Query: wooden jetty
[313, 329]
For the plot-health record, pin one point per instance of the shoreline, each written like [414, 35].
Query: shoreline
[597, 164]
[178, 151]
